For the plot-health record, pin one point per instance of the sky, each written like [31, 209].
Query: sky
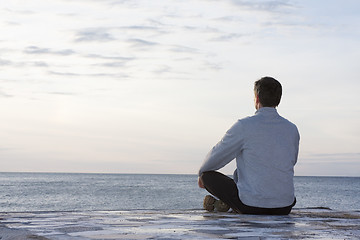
[136, 86]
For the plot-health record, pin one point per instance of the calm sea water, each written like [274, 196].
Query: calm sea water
[79, 192]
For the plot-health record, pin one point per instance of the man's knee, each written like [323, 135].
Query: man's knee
[206, 177]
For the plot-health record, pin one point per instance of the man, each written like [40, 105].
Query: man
[265, 146]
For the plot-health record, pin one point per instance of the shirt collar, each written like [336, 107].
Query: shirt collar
[267, 111]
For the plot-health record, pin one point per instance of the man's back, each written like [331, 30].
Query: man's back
[269, 149]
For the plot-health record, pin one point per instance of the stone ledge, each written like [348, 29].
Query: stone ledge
[177, 224]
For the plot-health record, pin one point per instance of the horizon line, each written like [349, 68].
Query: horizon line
[149, 173]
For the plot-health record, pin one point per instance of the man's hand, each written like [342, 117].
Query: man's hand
[200, 183]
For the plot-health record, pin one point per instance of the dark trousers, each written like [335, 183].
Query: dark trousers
[225, 189]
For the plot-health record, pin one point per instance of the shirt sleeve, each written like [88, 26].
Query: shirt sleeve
[297, 141]
[225, 150]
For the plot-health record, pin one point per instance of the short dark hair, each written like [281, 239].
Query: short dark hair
[269, 91]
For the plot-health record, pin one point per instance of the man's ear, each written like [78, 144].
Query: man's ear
[257, 100]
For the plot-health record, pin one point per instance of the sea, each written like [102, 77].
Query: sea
[30, 192]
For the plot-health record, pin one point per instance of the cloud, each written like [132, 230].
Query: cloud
[70, 74]
[163, 69]
[102, 34]
[113, 64]
[67, 74]
[141, 28]
[38, 64]
[230, 19]
[183, 49]
[22, 64]
[136, 42]
[5, 62]
[118, 61]
[8, 63]
[38, 50]
[109, 57]
[11, 23]
[5, 95]
[262, 5]
[20, 12]
[228, 37]
[62, 93]
[213, 66]
[94, 35]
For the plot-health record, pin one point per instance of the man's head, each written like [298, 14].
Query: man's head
[267, 92]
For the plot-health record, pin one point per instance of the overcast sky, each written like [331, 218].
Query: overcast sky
[132, 86]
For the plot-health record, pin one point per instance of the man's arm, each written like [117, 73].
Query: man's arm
[225, 151]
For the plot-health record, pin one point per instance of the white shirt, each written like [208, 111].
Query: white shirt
[266, 147]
